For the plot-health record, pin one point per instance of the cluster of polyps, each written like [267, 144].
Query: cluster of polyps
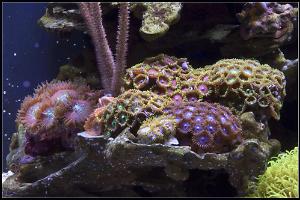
[247, 85]
[206, 127]
[124, 111]
[54, 114]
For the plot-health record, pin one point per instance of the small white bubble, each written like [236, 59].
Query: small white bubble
[57, 41]
[74, 44]
[5, 135]
[15, 54]
[9, 113]
[4, 92]
[4, 111]
[36, 45]
[26, 84]
[68, 58]
[7, 79]
[17, 86]
[8, 138]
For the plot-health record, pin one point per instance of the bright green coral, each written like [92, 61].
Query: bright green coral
[281, 178]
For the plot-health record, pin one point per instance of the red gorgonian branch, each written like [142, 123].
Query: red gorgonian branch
[111, 70]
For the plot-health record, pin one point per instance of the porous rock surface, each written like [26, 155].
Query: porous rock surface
[102, 166]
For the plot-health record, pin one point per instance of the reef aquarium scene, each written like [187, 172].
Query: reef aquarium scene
[150, 99]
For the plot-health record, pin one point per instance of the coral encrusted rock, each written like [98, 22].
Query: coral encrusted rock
[102, 166]
[267, 19]
[156, 17]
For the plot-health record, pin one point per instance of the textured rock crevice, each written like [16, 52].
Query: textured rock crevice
[105, 165]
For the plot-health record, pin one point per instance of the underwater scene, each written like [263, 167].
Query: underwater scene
[150, 99]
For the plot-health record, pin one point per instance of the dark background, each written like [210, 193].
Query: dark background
[30, 56]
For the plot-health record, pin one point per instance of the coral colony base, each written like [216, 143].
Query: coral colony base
[145, 115]
[59, 110]
[156, 127]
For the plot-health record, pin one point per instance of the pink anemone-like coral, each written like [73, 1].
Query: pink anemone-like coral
[54, 114]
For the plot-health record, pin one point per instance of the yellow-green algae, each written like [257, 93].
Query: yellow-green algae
[281, 177]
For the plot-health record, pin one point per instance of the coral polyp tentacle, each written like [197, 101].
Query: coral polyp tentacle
[46, 116]
[79, 111]
[141, 81]
[202, 142]
[63, 96]
[28, 110]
